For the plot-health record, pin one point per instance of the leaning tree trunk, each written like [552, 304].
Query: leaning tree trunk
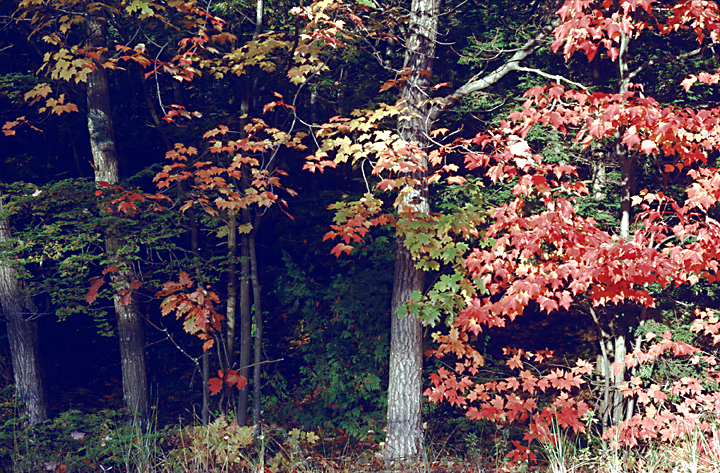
[23, 337]
[105, 159]
[405, 441]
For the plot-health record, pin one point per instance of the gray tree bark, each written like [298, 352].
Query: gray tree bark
[17, 307]
[405, 438]
[105, 160]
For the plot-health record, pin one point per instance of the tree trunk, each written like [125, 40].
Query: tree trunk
[231, 308]
[23, 336]
[105, 159]
[257, 370]
[405, 441]
[195, 247]
[245, 320]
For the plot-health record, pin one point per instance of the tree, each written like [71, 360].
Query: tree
[405, 439]
[19, 311]
[538, 248]
[102, 143]
[407, 152]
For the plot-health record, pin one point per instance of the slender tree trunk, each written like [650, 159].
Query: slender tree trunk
[231, 307]
[245, 319]
[257, 370]
[195, 247]
[105, 159]
[405, 442]
[228, 360]
[626, 162]
[23, 336]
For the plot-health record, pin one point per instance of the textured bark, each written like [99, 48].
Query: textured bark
[23, 338]
[404, 441]
[620, 351]
[132, 338]
[105, 159]
[228, 358]
[404, 418]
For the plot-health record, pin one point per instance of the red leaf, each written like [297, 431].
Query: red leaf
[92, 294]
[214, 385]
[185, 279]
[126, 298]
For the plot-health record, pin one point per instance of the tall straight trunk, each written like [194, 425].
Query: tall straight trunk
[105, 159]
[257, 360]
[228, 357]
[195, 247]
[614, 335]
[245, 320]
[405, 442]
[23, 337]
[231, 307]
[627, 164]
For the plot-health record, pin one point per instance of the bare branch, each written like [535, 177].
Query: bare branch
[556, 77]
[479, 82]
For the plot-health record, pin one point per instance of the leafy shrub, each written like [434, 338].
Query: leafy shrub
[75, 441]
[217, 446]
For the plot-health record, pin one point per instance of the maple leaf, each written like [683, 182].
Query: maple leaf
[185, 279]
[215, 385]
[515, 362]
[233, 378]
[648, 147]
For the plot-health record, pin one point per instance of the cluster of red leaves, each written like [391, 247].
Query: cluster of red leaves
[555, 256]
[586, 27]
[679, 408]
[540, 400]
[197, 307]
[125, 294]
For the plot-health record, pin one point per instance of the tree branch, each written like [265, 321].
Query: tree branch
[654, 62]
[556, 77]
[478, 82]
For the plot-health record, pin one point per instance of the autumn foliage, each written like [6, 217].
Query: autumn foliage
[538, 248]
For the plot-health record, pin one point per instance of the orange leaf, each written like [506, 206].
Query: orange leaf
[214, 385]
